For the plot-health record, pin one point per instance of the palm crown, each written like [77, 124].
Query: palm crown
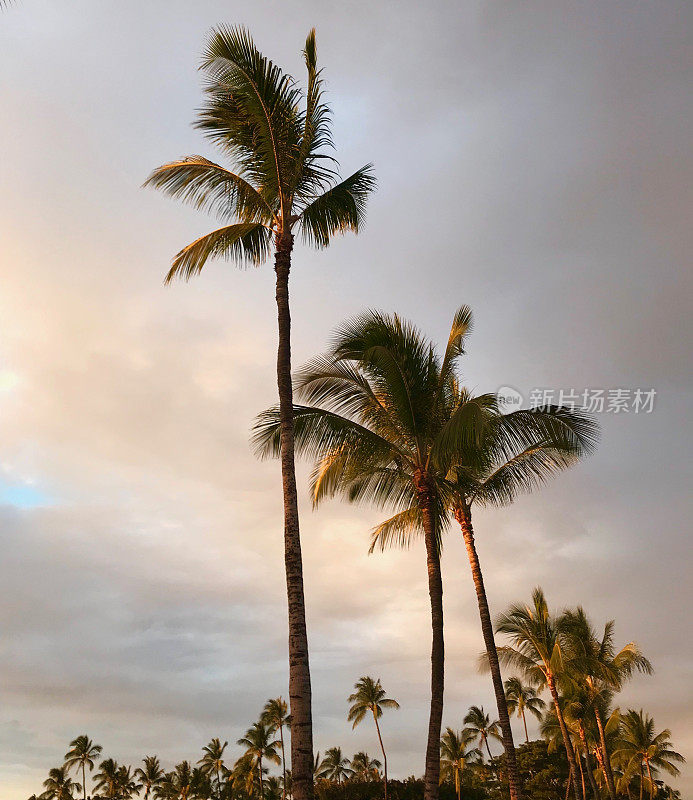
[82, 754]
[480, 726]
[335, 766]
[59, 785]
[278, 137]
[369, 697]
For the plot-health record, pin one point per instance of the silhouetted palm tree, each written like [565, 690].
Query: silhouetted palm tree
[279, 139]
[364, 767]
[521, 698]
[260, 745]
[82, 754]
[370, 697]
[59, 785]
[276, 715]
[212, 762]
[335, 766]
[150, 775]
[455, 755]
[106, 779]
[480, 726]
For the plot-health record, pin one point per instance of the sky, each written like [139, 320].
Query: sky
[533, 161]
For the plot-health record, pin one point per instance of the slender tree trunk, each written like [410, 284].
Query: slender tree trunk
[281, 736]
[588, 764]
[570, 753]
[649, 775]
[641, 781]
[262, 785]
[299, 667]
[463, 515]
[582, 776]
[488, 750]
[458, 784]
[435, 591]
[84, 780]
[605, 755]
[568, 784]
[524, 722]
[218, 784]
[382, 748]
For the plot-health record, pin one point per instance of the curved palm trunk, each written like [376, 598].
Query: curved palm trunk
[524, 722]
[605, 756]
[382, 748]
[299, 668]
[588, 763]
[570, 753]
[281, 736]
[435, 591]
[463, 515]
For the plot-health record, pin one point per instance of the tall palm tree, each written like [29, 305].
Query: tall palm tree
[370, 698]
[380, 426]
[536, 651]
[364, 767]
[276, 715]
[82, 754]
[335, 766]
[643, 752]
[150, 775]
[59, 785]
[260, 745]
[107, 778]
[602, 669]
[212, 762]
[520, 698]
[479, 725]
[283, 180]
[455, 755]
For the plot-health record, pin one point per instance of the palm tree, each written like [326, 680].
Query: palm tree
[82, 753]
[127, 785]
[602, 669]
[284, 180]
[150, 775]
[382, 431]
[536, 651]
[59, 785]
[552, 732]
[107, 778]
[455, 754]
[480, 726]
[522, 697]
[276, 715]
[212, 762]
[369, 697]
[640, 750]
[335, 766]
[364, 767]
[260, 745]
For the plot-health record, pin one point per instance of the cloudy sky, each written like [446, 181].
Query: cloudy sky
[533, 161]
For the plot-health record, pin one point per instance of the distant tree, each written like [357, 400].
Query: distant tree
[276, 715]
[106, 780]
[520, 698]
[364, 767]
[212, 762]
[150, 775]
[335, 766]
[455, 755]
[82, 754]
[370, 698]
[260, 745]
[479, 725]
[59, 785]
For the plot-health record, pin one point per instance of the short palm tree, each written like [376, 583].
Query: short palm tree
[260, 745]
[456, 754]
[364, 767]
[127, 783]
[276, 715]
[335, 766]
[284, 180]
[149, 775]
[641, 751]
[520, 698]
[106, 780]
[82, 754]
[380, 427]
[536, 651]
[602, 669]
[479, 725]
[59, 785]
[370, 698]
[212, 762]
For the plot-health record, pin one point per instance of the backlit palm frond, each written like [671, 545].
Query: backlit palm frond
[245, 243]
[397, 531]
[339, 209]
[210, 187]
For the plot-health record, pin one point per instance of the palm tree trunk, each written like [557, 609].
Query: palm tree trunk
[649, 775]
[84, 780]
[582, 776]
[570, 753]
[281, 736]
[463, 515]
[641, 781]
[435, 591]
[262, 785]
[588, 764]
[382, 748]
[458, 784]
[299, 667]
[218, 785]
[488, 750]
[524, 722]
[605, 755]
[568, 783]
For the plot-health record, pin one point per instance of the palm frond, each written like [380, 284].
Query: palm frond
[244, 243]
[397, 531]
